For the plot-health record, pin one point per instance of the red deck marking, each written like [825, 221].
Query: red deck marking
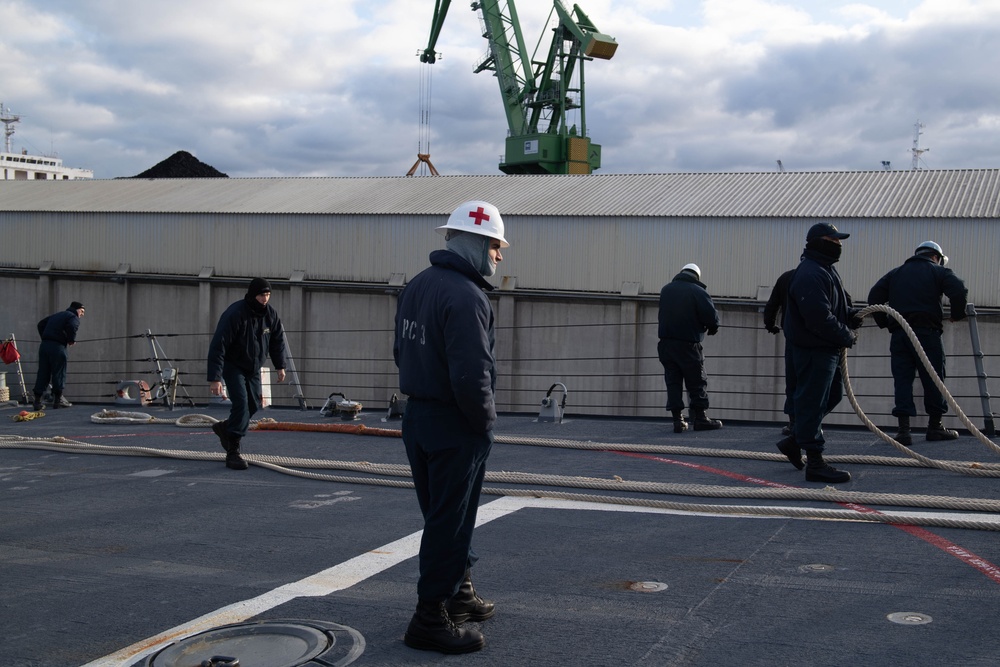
[987, 568]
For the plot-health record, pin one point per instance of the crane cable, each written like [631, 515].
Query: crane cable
[287, 465]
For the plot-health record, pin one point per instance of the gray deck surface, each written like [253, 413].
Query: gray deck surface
[105, 560]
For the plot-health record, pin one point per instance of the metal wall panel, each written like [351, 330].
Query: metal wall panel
[555, 253]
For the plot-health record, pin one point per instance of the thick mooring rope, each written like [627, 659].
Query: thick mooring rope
[137, 418]
[289, 465]
[974, 469]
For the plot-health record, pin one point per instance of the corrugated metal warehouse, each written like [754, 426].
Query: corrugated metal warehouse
[588, 256]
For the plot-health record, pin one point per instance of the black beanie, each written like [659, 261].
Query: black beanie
[76, 305]
[258, 286]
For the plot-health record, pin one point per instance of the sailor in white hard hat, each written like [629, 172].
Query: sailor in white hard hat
[470, 231]
[686, 314]
[444, 350]
[915, 289]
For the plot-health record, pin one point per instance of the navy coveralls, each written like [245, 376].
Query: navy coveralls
[57, 331]
[444, 350]
[816, 316]
[247, 334]
[915, 289]
[774, 307]
[686, 312]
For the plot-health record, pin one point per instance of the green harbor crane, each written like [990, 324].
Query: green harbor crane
[537, 93]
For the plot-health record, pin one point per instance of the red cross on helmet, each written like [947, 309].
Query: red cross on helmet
[476, 217]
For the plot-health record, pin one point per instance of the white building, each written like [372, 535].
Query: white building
[24, 167]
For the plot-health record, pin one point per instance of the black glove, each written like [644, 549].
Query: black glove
[855, 321]
[713, 330]
[772, 329]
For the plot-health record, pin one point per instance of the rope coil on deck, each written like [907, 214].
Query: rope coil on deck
[122, 417]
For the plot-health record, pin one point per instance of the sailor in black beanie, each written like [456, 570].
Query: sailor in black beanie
[248, 332]
[58, 331]
[258, 286]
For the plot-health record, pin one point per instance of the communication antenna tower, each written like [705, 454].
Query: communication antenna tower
[8, 118]
[917, 150]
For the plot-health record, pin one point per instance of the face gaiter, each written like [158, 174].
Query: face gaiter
[474, 248]
[826, 248]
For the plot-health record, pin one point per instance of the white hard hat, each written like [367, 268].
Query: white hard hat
[933, 247]
[693, 268]
[476, 217]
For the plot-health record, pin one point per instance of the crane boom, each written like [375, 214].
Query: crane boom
[428, 55]
[537, 94]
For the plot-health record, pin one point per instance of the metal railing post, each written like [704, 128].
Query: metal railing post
[977, 354]
[293, 378]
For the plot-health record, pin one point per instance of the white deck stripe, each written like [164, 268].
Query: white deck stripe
[358, 569]
[328, 581]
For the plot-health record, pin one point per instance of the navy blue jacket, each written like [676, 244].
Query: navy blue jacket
[247, 334]
[915, 289]
[775, 306]
[60, 327]
[818, 308]
[686, 310]
[445, 337]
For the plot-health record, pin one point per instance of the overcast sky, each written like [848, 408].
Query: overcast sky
[332, 87]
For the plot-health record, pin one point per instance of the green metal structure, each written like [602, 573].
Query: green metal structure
[537, 93]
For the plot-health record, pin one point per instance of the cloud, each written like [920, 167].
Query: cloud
[331, 87]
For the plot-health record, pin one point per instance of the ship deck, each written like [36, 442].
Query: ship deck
[114, 556]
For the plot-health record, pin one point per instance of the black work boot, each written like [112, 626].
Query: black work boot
[702, 422]
[790, 449]
[233, 458]
[431, 629]
[679, 424]
[37, 405]
[818, 470]
[937, 431]
[57, 401]
[466, 605]
[903, 435]
[219, 428]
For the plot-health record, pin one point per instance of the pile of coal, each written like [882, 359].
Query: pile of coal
[181, 165]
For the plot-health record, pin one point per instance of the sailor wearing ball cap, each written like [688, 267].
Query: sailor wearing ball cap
[818, 325]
